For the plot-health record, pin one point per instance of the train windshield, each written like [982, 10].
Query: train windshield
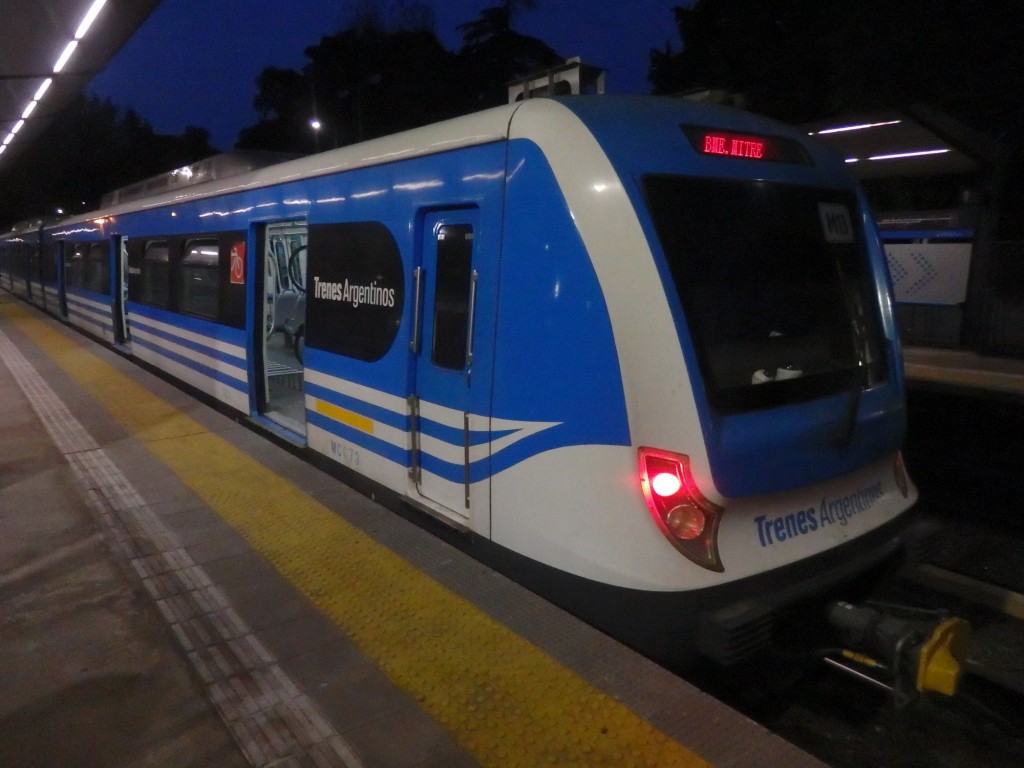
[776, 287]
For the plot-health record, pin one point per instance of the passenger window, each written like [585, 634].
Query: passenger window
[155, 274]
[281, 262]
[97, 268]
[74, 266]
[451, 296]
[199, 275]
[33, 262]
[49, 266]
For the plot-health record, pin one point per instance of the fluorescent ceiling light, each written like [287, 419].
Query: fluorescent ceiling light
[41, 91]
[90, 17]
[63, 60]
[919, 153]
[83, 29]
[857, 127]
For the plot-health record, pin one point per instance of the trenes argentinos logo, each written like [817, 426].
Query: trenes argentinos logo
[373, 295]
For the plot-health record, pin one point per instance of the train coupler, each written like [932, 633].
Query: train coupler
[918, 650]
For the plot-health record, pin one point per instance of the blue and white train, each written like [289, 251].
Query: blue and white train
[641, 350]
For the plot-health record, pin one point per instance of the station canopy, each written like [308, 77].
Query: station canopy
[888, 144]
[49, 51]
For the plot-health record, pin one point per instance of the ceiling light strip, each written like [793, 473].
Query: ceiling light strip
[59, 65]
[901, 155]
[90, 17]
[857, 127]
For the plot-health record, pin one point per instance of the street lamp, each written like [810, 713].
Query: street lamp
[316, 125]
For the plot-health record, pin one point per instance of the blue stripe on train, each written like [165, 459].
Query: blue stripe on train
[236, 361]
[359, 437]
[211, 373]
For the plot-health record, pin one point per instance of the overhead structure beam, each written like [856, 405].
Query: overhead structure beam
[49, 51]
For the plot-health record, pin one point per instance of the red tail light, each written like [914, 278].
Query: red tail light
[685, 517]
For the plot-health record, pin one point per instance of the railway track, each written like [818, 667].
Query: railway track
[852, 714]
[965, 452]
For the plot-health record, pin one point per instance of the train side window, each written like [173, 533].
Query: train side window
[451, 296]
[74, 267]
[155, 274]
[281, 262]
[231, 309]
[199, 274]
[97, 268]
[48, 269]
[33, 262]
[12, 262]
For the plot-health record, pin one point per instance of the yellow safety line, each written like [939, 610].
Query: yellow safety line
[501, 698]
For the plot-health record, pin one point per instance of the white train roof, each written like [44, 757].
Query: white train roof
[479, 128]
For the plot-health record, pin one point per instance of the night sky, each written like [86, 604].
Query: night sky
[195, 62]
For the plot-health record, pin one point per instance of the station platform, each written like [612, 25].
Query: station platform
[965, 370]
[177, 589]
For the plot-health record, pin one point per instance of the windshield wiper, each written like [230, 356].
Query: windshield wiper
[848, 427]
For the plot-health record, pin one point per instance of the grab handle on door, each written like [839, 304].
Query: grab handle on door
[414, 342]
[469, 321]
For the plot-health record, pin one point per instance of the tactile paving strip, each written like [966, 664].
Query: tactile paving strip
[501, 698]
[271, 720]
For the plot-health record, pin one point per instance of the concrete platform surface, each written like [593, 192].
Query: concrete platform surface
[178, 590]
[964, 369]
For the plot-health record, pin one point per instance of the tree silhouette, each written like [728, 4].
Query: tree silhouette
[493, 53]
[90, 149]
[766, 50]
[801, 61]
[794, 60]
[283, 103]
[372, 79]
[365, 81]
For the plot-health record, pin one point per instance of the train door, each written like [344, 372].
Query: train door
[63, 253]
[37, 283]
[48, 265]
[24, 270]
[446, 291]
[32, 275]
[5, 269]
[280, 324]
[119, 285]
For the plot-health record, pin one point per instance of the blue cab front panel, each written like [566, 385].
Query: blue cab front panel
[556, 360]
[774, 450]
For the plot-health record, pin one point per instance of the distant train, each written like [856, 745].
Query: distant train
[642, 351]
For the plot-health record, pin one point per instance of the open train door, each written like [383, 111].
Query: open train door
[279, 327]
[62, 277]
[119, 291]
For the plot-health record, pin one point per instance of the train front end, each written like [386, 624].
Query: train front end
[760, 364]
